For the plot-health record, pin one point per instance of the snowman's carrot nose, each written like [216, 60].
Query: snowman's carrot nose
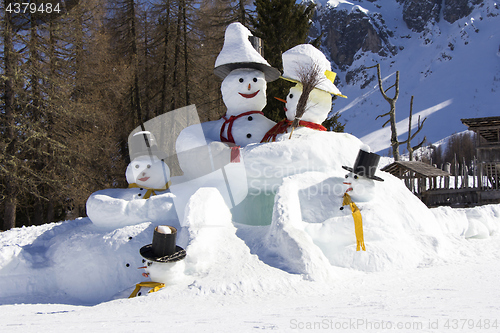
[249, 86]
[142, 267]
[281, 100]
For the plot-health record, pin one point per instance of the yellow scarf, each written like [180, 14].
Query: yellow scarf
[150, 191]
[155, 286]
[358, 222]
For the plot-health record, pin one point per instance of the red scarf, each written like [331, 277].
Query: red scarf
[283, 125]
[230, 122]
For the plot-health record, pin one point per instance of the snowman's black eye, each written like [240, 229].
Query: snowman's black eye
[149, 263]
[290, 96]
[143, 261]
[127, 265]
[346, 176]
[137, 166]
[254, 79]
[149, 166]
[249, 135]
[241, 80]
[355, 177]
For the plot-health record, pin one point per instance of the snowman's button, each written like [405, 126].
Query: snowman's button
[139, 195]
[141, 189]
[139, 293]
[249, 135]
[250, 118]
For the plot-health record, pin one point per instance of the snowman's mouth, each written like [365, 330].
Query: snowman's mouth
[144, 274]
[143, 179]
[350, 188]
[250, 95]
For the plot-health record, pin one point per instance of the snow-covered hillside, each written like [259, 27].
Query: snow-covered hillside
[452, 69]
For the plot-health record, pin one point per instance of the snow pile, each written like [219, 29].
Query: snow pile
[71, 262]
[288, 230]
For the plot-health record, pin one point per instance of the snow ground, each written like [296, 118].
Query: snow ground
[450, 296]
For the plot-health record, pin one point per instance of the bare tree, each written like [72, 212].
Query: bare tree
[410, 136]
[395, 143]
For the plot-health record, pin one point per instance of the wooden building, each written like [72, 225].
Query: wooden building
[421, 178]
[487, 150]
[438, 188]
[435, 187]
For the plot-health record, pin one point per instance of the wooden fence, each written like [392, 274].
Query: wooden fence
[473, 186]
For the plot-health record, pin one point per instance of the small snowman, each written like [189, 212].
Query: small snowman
[146, 172]
[147, 198]
[164, 264]
[308, 67]
[361, 188]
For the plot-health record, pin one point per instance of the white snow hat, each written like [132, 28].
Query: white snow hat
[238, 52]
[303, 57]
[143, 143]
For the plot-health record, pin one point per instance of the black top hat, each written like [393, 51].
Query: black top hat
[365, 165]
[163, 248]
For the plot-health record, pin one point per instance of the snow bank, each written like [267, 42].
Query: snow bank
[287, 231]
[71, 262]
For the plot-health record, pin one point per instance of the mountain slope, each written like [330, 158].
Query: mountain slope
[450, 64]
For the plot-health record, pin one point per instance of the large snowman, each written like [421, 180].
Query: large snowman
[245, 74]
[203, 149]
[298, 62]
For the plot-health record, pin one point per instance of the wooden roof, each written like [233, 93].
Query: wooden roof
[422, 170]
[488, 127]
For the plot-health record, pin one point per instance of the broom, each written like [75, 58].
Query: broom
[309, 78]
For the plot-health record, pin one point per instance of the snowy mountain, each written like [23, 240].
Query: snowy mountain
[447, 53]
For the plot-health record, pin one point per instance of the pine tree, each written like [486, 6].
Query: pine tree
[282, 24]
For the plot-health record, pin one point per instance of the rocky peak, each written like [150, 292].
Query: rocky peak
[348, 29]
[457, 9]
[417, 13]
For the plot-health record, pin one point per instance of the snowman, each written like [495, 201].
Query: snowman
[245, 74]
[361, 188]
[147, 198]
[146, 172]
[163, 259]
[297, 62]
[203, 158]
